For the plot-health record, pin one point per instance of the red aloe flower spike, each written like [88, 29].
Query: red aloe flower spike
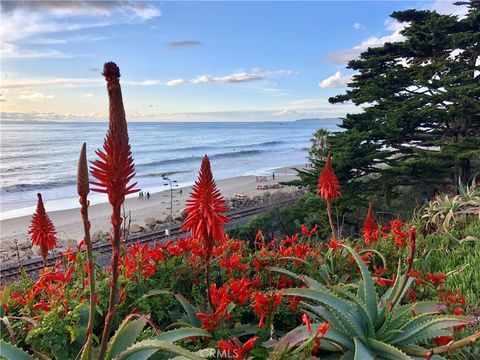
[114, 172]
[370, 227]
[328, 188]
[83, 190]
[204, 210]
[204, 215]
[42, 230]
[328, 185]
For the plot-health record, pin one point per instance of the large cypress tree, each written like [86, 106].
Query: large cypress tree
[421, 97]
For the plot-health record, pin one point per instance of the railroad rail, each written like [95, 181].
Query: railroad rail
[33, 266]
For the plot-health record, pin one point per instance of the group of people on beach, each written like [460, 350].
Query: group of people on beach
[144, 195]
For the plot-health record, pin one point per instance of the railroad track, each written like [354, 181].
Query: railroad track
[33, 266]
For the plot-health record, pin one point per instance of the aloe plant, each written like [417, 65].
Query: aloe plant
[366, 327]
[443, 212]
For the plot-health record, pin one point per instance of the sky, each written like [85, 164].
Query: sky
[188, 61]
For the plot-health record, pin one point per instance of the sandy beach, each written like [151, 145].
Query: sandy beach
[69, 226]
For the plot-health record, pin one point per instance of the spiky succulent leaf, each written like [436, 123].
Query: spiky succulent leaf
[125, 335]
[366, 289]
[11, 352]
[361, 351]
[168, 337]
[139, 351]
[430, 323]
[387, 351]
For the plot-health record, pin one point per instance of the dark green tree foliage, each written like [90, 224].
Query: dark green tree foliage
[421, 97]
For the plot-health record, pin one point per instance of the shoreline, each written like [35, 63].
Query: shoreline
[69, 227]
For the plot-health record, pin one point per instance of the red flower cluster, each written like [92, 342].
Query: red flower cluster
[204, 208]
[233, 349]
[307, 232]
[328, 185]
[42, 230]
[232, 263]
[436, 279]
[370, 227]
[266, 304]
[140, 260]
[397, 229]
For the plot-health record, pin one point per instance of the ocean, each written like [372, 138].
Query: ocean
[42, 157]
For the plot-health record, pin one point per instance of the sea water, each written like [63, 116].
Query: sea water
[42, 156]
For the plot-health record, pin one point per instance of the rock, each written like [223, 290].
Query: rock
[158, 226]
[7, 244]
[35, 250]
[168, 219]
[23, 244]
[99, 235]
[135, 228]
[150, 222]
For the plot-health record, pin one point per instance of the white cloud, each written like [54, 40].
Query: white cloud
[336, 81]
[311, 108]
[175, 45]
[22, 20]
[88, 95]
[34, 96]
[175, 82]
[70, 82]
[447, 7]
[9, 50]
[358, 26]
[256, 74]
[344, 56]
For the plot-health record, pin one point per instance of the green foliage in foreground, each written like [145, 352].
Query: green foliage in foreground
[442, 253]
[364, 327]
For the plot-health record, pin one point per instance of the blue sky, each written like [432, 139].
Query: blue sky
[188, 61]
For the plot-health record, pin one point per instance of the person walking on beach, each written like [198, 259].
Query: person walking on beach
[273, 176]
[148, 195]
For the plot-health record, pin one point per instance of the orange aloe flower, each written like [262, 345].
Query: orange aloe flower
[42, 230]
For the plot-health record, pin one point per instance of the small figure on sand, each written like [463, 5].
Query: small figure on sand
[273, 176]
[140, 195]
[148, 195]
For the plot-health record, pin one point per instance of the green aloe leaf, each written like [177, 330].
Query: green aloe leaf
[11, 352]
[187, 306]
[345, 311]
[437, 323]
[125, 336]
[302, 278]
[361, 351]
[138, 350]
[167, 337]
[366, 289]
[387, 351]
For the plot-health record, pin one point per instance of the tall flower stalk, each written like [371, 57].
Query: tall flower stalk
[370, 227]
[83, 189]
[42, 230]
[328, 188]
[204, 215]
[113, 172]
